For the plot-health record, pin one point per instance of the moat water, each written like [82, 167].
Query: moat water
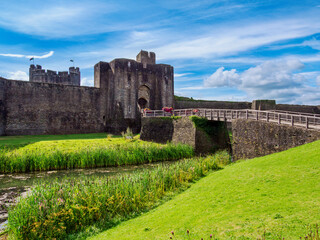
[13, 186]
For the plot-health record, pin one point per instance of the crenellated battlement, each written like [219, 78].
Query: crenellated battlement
[145, 58]
[37, 74]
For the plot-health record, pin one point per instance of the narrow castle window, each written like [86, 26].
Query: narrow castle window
[166, 80]
[129, 64]
[129, 80]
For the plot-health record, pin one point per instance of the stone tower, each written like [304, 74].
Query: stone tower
[131, 86]
[37, 74]
[145, 57]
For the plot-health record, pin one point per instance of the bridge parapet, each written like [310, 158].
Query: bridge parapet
[252, 138]
[309, 121]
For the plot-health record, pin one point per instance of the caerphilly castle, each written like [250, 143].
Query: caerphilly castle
[55, 103]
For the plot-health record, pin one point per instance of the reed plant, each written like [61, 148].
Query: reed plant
[54, 210]
[70, 154]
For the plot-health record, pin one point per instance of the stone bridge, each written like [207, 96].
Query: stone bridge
[305, 120]
[254, 132]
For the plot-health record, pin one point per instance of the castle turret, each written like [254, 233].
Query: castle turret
[37, 74]
[74, 76]
[145, 57]
[31, 70]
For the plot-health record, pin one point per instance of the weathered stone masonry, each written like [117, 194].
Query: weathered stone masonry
[257, 138]
[37, 74]
[42, 108]
[121, 88]
[185, 131]
[2, 107]
[255, 104]
[131, 86]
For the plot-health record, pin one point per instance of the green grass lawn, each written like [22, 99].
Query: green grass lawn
[83, 151]
[23, 140]
[271, 197]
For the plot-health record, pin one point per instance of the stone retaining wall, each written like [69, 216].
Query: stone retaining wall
[211, 104]
[256, 138]
[184, 130]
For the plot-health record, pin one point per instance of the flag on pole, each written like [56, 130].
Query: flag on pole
[71, 60]
[31, 59]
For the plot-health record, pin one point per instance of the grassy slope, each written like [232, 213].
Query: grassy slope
[276, 194]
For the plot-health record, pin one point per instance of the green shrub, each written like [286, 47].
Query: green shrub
[128, 134]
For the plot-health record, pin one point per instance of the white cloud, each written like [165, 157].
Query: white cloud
[193, 88]
[12, 55]
[314, 43]
[27, 56]
[232, 40]
[177, 75]
[229, 97]
[219, 43]
[18, 75]
[87, 82]
[64, 20]
[43, 56]
[309, 58]
[272, 75]
[240, 60]
[268, 75]
[256, 60]
[222, 78]
[277, 79]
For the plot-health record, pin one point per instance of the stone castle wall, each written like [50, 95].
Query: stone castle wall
[132, 86]
[41, 108]
[256, 105]
[212, 104]
[256, 138]
[2, 107]
[298, 108]
[37, 74]
[122, 88]
[264, 105]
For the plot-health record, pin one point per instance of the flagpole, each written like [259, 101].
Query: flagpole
[32, 59]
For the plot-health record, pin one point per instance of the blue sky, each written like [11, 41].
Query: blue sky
[221, 50]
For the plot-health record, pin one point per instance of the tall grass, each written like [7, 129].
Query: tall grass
[69, 154]
[54, 210]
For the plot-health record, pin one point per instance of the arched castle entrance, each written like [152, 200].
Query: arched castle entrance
[143, 97]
